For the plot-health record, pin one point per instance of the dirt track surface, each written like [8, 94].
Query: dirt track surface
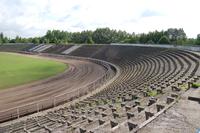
[80, 73]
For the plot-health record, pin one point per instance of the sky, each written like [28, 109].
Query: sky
[31, 18]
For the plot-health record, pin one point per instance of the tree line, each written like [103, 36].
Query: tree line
[108, 36]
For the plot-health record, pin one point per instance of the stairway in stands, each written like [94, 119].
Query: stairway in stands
[151, 80]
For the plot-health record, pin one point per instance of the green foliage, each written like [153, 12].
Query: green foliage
[82, 37]
[100, 101]
[17, 69]
[35, 40]
[107, 36]
[180, 41]
[164, 40]
[143, 38]
[190, 41]
[150, 42]
[3, 39]
[102, 36]
[57, 36]
[198, 40]
[195, 85]
[131, 39]
[176, 34]
[183, 87]
[152, 93]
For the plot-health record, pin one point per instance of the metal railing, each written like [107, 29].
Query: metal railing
[37, 106]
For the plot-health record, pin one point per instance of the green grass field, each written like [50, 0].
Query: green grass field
[17, 69]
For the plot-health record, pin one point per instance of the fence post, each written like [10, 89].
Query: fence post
[79, 95]
[79, 92]
[38, 108]
[54, 101]
[18, 113]
[94, 86]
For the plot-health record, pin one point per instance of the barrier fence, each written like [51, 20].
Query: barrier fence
[37, 106]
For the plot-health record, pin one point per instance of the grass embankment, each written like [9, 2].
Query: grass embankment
[18, 69]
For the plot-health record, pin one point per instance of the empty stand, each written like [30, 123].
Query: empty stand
[15, 47]
[71, 49]
[150, 81]
[57, 49]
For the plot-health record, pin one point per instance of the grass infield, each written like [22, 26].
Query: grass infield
[18, 69]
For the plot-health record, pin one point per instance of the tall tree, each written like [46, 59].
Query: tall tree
[1, 38]
[102, 36]
[198, 39]
[164, 40]
[176, 35]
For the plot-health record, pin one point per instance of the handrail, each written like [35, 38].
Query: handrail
[35, 106]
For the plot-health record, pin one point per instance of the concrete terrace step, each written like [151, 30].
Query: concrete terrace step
[34, 48]
[194, 95]
[71, 49]
[44, 48]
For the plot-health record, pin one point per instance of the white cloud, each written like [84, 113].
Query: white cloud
[34, 17]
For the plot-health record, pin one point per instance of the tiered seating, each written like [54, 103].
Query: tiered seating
[35, 48]
[15, 47]
[71, 49]
[140, 73]
[87, 50]
[44, 47]
[150, 81]
[57, 49]
[40, 48]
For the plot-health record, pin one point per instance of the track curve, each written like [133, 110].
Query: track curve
[80, 73]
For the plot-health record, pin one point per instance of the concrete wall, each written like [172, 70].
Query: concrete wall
[191, 48]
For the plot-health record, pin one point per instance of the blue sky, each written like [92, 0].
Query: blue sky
[34, 17]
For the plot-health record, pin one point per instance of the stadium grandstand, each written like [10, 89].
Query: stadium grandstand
[107, 89]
